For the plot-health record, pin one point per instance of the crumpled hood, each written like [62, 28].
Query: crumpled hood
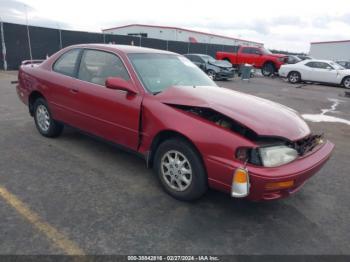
[264, 117]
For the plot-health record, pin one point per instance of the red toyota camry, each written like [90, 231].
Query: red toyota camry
[193, 133]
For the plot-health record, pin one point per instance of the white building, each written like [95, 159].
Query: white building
[177, 34]
[332, 50]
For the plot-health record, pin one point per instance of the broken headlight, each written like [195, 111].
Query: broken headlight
[277, 155]
[269, 156]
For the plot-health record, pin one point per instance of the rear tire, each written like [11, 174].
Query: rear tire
[268, 69]
[180, 170]
[46, 126]
[346, 82]
[294, 77]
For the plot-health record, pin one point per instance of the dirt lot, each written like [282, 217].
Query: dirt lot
[80, 193]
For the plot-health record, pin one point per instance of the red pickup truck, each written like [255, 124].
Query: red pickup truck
[259, 57]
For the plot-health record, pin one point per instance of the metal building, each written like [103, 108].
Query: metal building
[177, 34]
[331, 50]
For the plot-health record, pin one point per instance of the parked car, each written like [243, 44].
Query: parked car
[162, 106]
[293, 59]
[215, 69]
[304, 57]
[344, 63]
[320, 71]
[259, 57]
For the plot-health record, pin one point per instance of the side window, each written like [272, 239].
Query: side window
[311, 64]
[319, 65]
[255, 51]
[246, 50]
[325, 65]
[190, 57]
[197, 59]
[96, 66]
[66, 63]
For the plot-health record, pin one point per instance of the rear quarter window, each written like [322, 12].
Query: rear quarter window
[66, 64]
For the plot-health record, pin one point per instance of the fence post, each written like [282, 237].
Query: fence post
[3, 45]
[60, 34]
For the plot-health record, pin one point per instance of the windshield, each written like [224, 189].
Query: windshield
[157, 72]
[208, 58]
[266, 51]
[336, 66]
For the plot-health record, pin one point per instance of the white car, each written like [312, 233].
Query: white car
[321, 71]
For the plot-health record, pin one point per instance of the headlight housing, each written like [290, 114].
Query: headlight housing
[277, 155]
[267, 156]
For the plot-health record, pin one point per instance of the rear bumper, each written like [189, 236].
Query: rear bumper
[299, 171]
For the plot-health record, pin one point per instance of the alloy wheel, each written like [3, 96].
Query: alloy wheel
[43, 118]
[294, 77]
[347, 82]
[176, 170]
[211, 74]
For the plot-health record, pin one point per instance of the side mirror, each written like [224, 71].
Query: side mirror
[329, 68]
[118, 83]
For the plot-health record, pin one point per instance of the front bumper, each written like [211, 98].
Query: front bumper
[299, 171]
[225, 74]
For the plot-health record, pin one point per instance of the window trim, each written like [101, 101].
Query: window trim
[78, 63]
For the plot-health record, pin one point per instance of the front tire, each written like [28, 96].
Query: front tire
[211, 74]
[346, 82]
[294, 77]
[268, 69]
[180, 170]
[46, 126]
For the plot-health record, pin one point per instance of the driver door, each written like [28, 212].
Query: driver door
[111, 114]
[324, 72]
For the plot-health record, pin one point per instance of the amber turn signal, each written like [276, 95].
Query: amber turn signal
[279, 185]
[240, 176]
[240, 183]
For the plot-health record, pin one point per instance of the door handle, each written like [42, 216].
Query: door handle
[73, 91]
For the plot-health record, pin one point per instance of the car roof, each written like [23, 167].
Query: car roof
[197, 54]
[128, 49]
[318, 60]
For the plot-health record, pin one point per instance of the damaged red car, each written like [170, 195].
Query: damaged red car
[193, 133]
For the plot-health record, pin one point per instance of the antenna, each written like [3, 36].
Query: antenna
[28, 34]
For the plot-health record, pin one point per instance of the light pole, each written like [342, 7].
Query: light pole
[28, 34]
[60, 34]
[3, 44]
